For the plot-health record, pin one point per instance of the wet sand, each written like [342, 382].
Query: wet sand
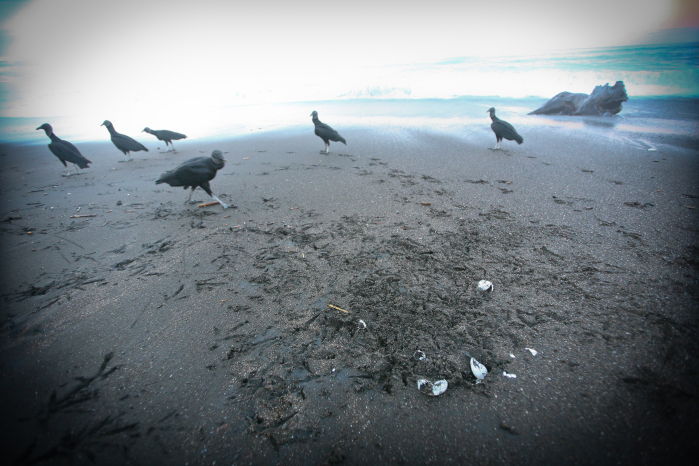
[137, 329]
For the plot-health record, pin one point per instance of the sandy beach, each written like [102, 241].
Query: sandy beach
[137, 329]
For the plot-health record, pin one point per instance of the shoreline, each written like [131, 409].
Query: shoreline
[156, 330]
[659, 118]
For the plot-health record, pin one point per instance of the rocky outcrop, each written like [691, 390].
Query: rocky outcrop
[604, 100]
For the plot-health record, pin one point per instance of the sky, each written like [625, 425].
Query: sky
[161, 58]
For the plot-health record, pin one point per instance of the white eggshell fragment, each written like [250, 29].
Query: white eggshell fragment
[532, 351]
[478, 370]
[512, 376]
[362, 324]
[432, 388]
[439, 387]
[485, 285]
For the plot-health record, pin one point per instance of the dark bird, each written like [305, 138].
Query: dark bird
[196, 172]
[326, 133]
[122, 141]
[503, 130]
[165, 135]
[65, 151]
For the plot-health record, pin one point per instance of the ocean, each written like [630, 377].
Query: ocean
[662, 82]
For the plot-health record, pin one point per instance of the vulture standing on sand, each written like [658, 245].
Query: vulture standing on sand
[326, 133]
[122, 141]
[65, 151]
[196, 172]
[503, 130]
[165, 135]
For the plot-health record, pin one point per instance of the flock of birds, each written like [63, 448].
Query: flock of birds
[197, 172]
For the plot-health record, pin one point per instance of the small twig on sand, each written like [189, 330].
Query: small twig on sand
[339, 309]
[207, 204]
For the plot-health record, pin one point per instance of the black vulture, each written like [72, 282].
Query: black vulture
[503, 129]
[65, 151]
[165, 135]
[326, 133]
[196, 172]
[122, 141]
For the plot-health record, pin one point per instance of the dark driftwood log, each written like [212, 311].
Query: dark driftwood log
[604, 100]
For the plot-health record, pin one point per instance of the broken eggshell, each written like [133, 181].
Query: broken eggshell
[532, 351]
[432, 388]
[361, 324]
[478, 370]
[485, 285]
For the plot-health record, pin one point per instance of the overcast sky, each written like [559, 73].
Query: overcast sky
[79, 51]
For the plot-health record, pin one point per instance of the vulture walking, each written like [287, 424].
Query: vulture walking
[123, 142]
[326, 133]
[165, 135]
[65, 151]
[503, 130]
[196, 172]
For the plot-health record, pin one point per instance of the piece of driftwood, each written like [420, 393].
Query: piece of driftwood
[604, 100]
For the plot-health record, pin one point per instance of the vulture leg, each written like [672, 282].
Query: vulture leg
[68, 172]
[173, 146]
[189, 199]
[205, 186]
[77, 172]
[225, 206]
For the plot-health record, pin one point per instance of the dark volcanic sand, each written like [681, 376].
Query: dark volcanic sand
[162, 333]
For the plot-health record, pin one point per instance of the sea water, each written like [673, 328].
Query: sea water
[662, 82]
